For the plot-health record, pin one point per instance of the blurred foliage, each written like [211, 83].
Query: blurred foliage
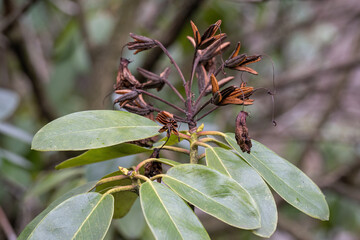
[58, 57]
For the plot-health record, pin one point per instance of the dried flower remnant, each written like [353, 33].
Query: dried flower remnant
[141, 43]
[154, 80]
[231, 95]
[239, 62]
[208, 37]
[124, 78]
[241, 132]
[170, 125]
[153, 168]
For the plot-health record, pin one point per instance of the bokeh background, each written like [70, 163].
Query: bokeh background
[61, 56]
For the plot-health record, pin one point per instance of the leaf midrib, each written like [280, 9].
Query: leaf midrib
[88, 216]
[231, 143]
[98, 129]
[167, 176]
[162, 203]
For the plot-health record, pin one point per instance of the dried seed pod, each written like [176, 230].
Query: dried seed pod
[239, 62]
[127, 95]
[154, 80]
[208, 37]
[141, 43]
[125, 79]
[221, 83]
[231, 95]
[241, 132]
[170, 125]
[153, 168]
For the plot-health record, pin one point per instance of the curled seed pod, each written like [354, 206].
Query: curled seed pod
[241, 132]
[153, 168]
[128, 95]
[239, 62]
[208, 37]
[170, 125]
[141, 43]
[125, 79]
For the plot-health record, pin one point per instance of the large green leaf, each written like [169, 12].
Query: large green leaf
[167, 215]
[124, 199]
[286, 179]
[103, 154]
[84, 216]
[93, 129]
[215, 194]
[233, 166]
[30, 228]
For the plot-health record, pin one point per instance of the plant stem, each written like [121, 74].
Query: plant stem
[109, 179]
[176, 149]
[174, 89]
[162, 100]
[157, 176]
[210, 111]
[121, 189]
[171, 60]
[216, 133]
[206, 87]
[202, 107]
[193, 148]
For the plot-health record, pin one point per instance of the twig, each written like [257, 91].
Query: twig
[5, 225]
[202, 107]
[210, 111]
[162, 100]
[174, 89]
[9, 22]
[202, 94]
[172, 61]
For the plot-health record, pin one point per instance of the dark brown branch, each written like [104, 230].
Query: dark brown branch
[9, 22]
[162, 100]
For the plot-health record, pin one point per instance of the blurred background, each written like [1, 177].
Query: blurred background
[61, 56]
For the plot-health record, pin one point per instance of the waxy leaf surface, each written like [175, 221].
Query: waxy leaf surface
[123, 200]
[287, 180]
[167, 215]
[93, 129]
[215, 194]
[36, 221]
[103, 154]
[235, 167]
[84, 216]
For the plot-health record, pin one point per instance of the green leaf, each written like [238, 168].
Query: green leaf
[93, 129]
[168, 162]
[122, 200]
[287, 180]
[215, 194]
[103, 154]
[167, 215]
[84, 216]
[132, 226]
[51, 180]
[30, 228]
[233, 166]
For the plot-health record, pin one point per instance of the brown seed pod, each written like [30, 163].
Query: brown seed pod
[170, 125]
[241, 132]
[153, 168]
